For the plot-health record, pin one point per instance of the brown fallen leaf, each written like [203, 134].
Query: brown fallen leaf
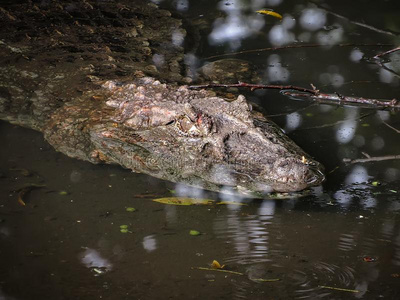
[25, 190]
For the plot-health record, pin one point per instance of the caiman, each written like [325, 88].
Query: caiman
[104, 81]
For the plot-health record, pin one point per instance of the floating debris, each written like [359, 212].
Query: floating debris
[184, 201]
[269, 12]
[194, 232]
[25, 190]
[216, 265]
[193, 201]
[338, 289]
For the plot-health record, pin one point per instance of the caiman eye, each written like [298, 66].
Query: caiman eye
[187, 126]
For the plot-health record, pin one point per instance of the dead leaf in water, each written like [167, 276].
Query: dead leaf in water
[25, 190]
[193, 201]
[183, 201]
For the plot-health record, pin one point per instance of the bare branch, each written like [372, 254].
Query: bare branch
[391, 127]
[313, 94]
[386, 52]
[342, 99]
[370, 159]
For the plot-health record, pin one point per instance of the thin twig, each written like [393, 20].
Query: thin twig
[370, 159]
[391, 127]
[379, 62]
[357, 23]
[295, 46]
[253, 86]
[342, 99]
[314, 94]
[386, 52]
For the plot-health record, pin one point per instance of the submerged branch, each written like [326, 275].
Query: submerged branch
[313, 94]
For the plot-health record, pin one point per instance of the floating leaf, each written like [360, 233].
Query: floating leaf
[25, 190]
[194, 232]
[365, 125]
[130, 209]
[216, 265]
[63, 193]
[123, 226]
[393, 191]
[193, 201]
[270, 13]
[230, 203]
[124, 230]
[376, 183]
[184, 201]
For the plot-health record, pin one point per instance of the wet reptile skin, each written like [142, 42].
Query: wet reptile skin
[102, 106]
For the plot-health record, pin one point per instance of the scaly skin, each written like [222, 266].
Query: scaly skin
[82, 84]
[181, 135]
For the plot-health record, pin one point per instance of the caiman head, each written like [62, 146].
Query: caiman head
[194, 137]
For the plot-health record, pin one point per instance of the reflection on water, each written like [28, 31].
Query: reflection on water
[345, 235]
[91, 258]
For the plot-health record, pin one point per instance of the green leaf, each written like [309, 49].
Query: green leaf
[183, 201]
[194, 232]
[123, 226]
[130, 209]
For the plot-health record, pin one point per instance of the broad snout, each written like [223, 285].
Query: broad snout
[293, 174]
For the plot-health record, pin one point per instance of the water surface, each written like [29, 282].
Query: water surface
[66, 243]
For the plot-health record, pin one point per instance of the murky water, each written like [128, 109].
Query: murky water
[341, 242]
